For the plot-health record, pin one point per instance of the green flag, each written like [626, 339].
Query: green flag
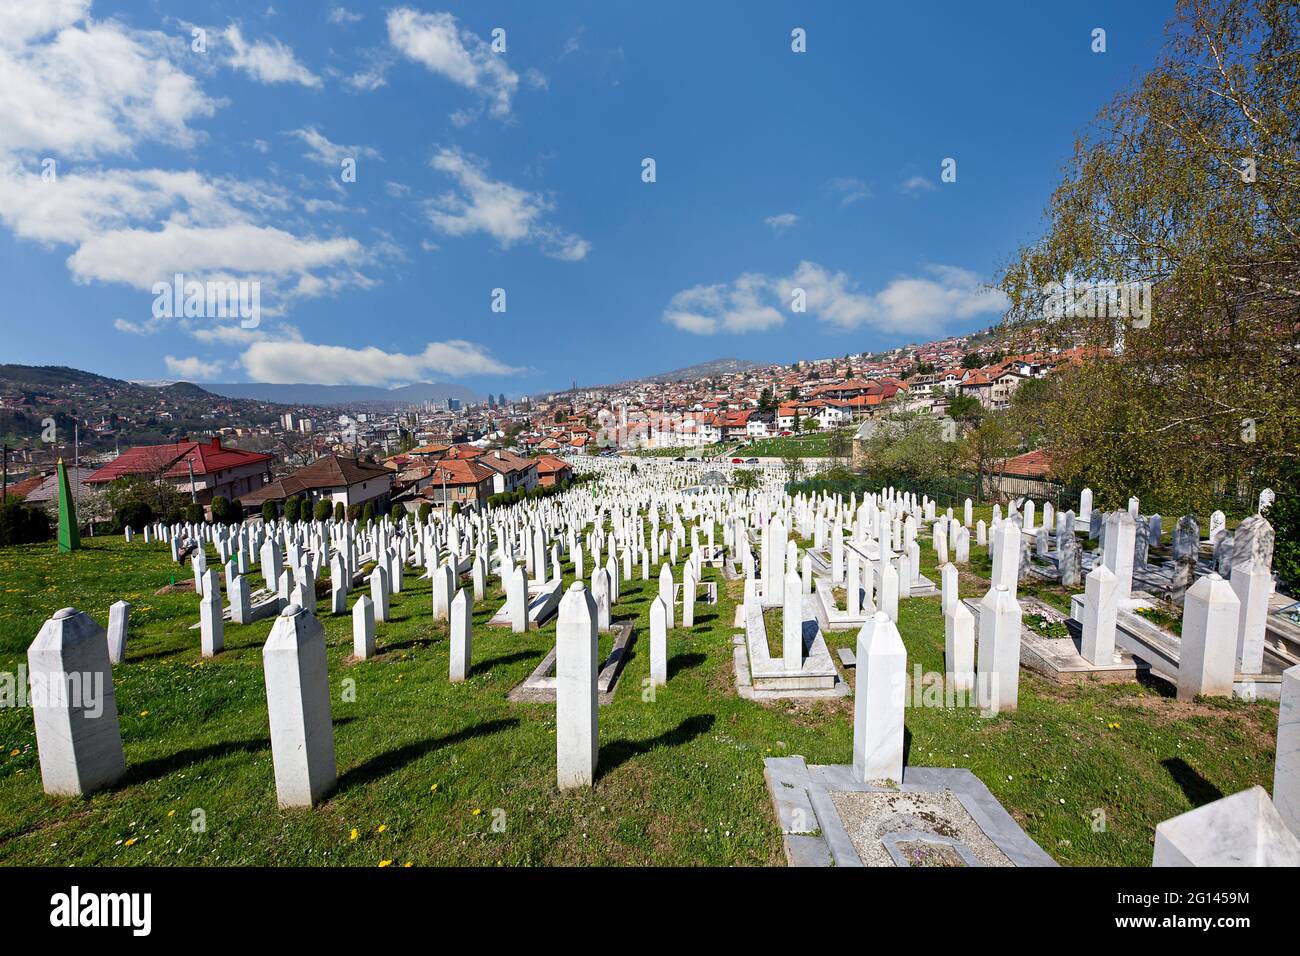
[69, 534]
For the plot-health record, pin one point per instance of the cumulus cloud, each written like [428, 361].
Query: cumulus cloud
[917, 184]
[905, 305]
[506, 213]
[293, 362]
[780, 223]
[193, 369]
[321, 150]
[83, 89]
[437, 42]
[744, 305]
[267, 61]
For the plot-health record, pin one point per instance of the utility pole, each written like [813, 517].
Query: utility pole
[5, 479]
[190, 463]
[76, 467]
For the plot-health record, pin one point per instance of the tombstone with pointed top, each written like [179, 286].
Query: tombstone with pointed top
[1208, 649]
[363, 628]
[517, 600]
[878, 702]
[118, 617]
[78, 738]
[577, 743]
[658, 642]
[999, 651]
[379, 592]
[443, 587]
[959, 646]
[212, 634]
[1252, 583]
[462, 632]
[241, 607]
[1100, 607]
[666, 590]
[298, 703]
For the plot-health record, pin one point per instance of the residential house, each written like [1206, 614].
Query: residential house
[205, 469]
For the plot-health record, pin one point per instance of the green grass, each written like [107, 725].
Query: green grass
[680, 778]
[816, 445]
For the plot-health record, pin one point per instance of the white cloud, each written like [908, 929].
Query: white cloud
[906, 305]
[321, 150]
[917, 184]
[91, 88]
[341, 15]
[193, 369]
[138, 227]
[742, 306]
[20, 22]
[293, 362]
[267, 61]
[435, 41]
[849, 189]
[506, 213]
[780, 223]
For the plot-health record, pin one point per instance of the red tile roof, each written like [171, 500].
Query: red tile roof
[170, 461]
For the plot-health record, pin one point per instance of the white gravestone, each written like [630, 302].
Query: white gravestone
[1209, 642]
[78, 738]
[298, 703]
[577, 741]
[878, 702]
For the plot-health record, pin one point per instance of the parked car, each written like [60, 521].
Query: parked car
[751, 461]
[737, 461]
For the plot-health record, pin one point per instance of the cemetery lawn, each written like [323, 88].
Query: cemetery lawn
[815, 445]
[427, 767]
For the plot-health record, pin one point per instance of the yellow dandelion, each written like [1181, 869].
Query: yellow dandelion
[382, 827]
[383, 863]
[14, 753]
[431, 789]
[171, 813]
[144, 713]
[407, 863]
[354, 834]
[476, 811]
[131, 842]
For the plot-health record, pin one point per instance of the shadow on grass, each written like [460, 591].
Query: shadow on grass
[482, 667]
[1196, 788]
[390, 760]
[161, 766]
[1155, 683]
[618, 752]
[683, 662]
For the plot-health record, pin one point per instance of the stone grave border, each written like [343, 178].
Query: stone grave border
[539, 686]
[814, 835]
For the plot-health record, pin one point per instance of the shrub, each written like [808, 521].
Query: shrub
[423, 512]
[134, 514]
[354, 512]
[291, 506]
[323, 510]
[340, 513]
[268, 511]
[396, 512]
[20, 524]
[194, 513]
[223, 511]
[368, 513]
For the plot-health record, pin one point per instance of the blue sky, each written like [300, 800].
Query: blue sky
[522, 170]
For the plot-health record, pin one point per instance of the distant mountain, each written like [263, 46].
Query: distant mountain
[305, 394]
[722, 366]
[118, 413]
